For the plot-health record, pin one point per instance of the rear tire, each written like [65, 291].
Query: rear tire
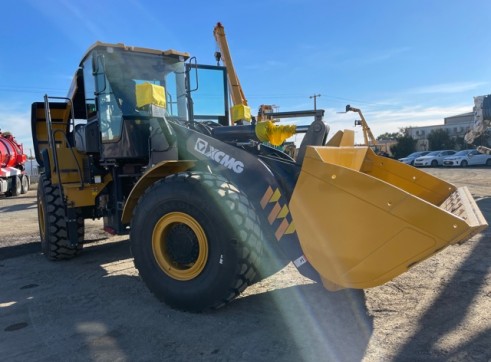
[52, 223]
[488, 162]
[196, 241]
[24, 184]
[16, 186]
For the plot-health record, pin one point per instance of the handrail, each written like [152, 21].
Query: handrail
[52, 143]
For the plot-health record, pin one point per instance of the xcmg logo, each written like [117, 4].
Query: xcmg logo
[218, 156]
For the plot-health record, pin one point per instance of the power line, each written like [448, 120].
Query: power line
[299, 96]
[29, 89]
[36, 90]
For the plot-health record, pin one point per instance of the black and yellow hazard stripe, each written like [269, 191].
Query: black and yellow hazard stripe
[279, 212]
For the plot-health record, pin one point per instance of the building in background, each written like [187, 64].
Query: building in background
[456, 127]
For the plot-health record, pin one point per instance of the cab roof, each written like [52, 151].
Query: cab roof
[169, 52]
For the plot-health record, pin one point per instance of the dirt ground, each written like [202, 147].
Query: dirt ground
[95, 307]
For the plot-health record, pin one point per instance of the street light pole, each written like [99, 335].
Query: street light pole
[315, 100]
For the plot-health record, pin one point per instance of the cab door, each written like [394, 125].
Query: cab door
[208, 88]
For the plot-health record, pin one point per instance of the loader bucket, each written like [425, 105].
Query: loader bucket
[364, 219]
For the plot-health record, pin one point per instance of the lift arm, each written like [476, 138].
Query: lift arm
[240, 110]
[367, 133]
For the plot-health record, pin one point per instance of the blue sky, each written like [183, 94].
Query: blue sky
[403, 63]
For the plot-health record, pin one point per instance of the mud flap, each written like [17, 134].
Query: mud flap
[363, 219]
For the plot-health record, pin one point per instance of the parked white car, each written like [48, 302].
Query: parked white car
[433, 159]
[466, 158]
[409, 159]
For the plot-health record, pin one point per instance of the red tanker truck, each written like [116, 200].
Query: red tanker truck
[13, 177]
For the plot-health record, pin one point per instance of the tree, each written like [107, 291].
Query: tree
[388, 136]
[440, 140]
[460, 144]
[404, 146]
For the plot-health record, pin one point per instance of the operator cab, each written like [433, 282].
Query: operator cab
[128, 94]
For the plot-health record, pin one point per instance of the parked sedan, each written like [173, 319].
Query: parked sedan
[409, 159]
[466, 158]
[433, 159]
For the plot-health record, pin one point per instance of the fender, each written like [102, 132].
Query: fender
[159, 171]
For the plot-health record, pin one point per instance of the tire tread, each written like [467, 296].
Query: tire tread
[232, 202]
[57, 246]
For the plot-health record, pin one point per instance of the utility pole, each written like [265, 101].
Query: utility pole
[315, 100]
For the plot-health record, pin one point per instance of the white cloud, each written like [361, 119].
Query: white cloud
[384, 120]
[384, 55]
[17, 120]
[371, 58]
[458, 87]
[381, 120]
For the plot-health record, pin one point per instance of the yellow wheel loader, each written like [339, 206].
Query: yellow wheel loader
[143, 140]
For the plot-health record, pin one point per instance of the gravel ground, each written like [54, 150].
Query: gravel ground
[95, 307]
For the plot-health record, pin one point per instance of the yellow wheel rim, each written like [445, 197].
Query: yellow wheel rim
[42, 229]
[180, 246]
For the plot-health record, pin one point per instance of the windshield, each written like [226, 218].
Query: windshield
[463, 153]
[124, 70]
[118, 73]
[434, 153]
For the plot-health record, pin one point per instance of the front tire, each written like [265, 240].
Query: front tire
[434, 163]
[196, 241]
[463, 164]
[52, 223]
[24, 184]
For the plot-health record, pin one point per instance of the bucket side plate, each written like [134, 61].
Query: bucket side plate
[363, 219]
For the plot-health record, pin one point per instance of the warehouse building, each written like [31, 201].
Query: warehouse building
[456, 126]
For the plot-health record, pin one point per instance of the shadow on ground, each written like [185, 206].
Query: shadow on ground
[448, 312]
[86, 311]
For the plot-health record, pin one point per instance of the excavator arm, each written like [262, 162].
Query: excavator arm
[367, 133]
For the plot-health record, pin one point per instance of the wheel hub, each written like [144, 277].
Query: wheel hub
[180, 246]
